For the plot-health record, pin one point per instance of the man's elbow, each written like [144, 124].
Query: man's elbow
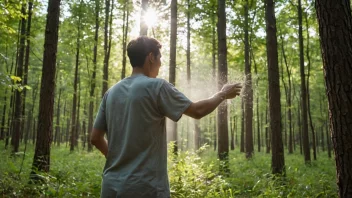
[95, 137]
[93, 140]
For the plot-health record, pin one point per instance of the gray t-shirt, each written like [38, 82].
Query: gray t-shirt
[132, 113]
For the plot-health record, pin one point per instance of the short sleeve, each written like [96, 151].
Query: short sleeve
[172, 103]
[100, 120]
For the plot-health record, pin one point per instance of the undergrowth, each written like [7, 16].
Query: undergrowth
[191, 174]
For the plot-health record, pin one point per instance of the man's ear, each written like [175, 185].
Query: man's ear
[151, 57]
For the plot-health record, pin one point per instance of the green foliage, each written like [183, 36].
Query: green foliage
[191, 174]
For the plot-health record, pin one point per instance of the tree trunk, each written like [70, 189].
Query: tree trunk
[308, 95]
[242, 127]
[17, 122]
[126, 13]
[213, 55]
[172, 62]
[26, 64]
[57, 127]
[75, 83]
[267, 131]
[143, 24]
[277, 157]
[233, 129]
[78, 122]
[257, 94]
[288, 99]
[305, 136]
[41, 160]
[93, 78]
[335, 22]
[248, 105]
[3, 118]
[106, 48]
[223, 136]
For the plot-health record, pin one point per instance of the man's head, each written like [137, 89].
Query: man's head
[144, 52]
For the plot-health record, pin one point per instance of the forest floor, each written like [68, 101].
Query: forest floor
[192, 175]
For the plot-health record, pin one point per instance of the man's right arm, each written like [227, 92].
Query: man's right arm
[202, 108]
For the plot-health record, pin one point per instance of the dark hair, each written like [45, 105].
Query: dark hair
[139, 48]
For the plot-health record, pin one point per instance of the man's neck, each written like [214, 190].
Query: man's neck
[139, 70]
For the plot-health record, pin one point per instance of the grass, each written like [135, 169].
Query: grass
[78, 174]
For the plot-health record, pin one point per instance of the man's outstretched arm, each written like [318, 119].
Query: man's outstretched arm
[97, 139]
[202, 108]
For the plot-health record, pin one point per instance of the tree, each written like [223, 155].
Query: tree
[277, 154]
[248, 102]
[335, 22]
[94, 73]
[305, 136]
[172, 70]
[74, 124]
[41, 160]
[223, 136]
[17, 123]
[126, 13]
[143, 25]
[107, 45]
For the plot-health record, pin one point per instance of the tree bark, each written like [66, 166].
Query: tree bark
[172, 62]
[126, 13]
[75, 83]
[94, 73]
[277, 157]
[106, 48]
[17, 122]
[57, 127]
[223, 136]
[335, 25]
[242, 127]
[305, 136]
[308, 95]
[41, 160]
[288, 100]
[248, 97]
[143, 25]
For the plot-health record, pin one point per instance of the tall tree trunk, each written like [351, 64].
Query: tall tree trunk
[223, 136]
[126, 14]
[213, 58]
[267, 129]
[3, 118]
[78, 122]
[106, 48]
[277, 157]
[308, 95]
[30, 114]
[57, 127]
[288, 100]
[17, 122]
[242, 127]
[233, 129]
[143, 24]
[335, 22]
[257, 85]
[26, 64]
[41, 160]
[172, 70]
[94, 73]
[248, 105]
[305, 136]
[75, 83]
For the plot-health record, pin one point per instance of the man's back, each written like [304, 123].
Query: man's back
[133, 115]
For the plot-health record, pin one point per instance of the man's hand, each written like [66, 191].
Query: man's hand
[231, 90]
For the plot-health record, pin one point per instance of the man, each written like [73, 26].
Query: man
[132, 115]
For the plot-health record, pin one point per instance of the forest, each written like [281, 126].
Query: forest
[288, 134]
